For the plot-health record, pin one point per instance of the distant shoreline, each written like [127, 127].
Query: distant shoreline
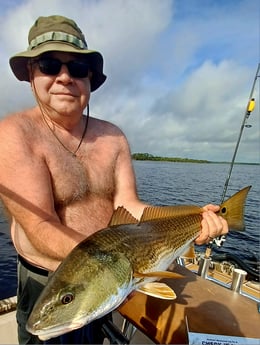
[150, 157]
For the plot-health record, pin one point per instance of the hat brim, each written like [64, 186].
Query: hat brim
[19, 62]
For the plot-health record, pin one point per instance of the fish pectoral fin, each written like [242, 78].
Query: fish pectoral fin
[158, 290]
[190, 253]
[159, 274]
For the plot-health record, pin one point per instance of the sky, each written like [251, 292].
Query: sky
[179, 72]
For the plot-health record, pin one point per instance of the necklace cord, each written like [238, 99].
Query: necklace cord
[84, 132]
[58, 139]
[47, 124]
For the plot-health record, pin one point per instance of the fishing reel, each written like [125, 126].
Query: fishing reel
[219, 241]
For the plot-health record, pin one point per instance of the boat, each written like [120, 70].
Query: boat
[8, 327]
[205, 308]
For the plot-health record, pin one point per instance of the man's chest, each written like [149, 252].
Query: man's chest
[74, 178]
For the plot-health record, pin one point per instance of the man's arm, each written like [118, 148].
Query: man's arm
[126, 191]
[25, 188]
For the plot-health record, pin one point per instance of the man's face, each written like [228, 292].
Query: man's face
[61, 86]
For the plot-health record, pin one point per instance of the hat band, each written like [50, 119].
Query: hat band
[57, 36]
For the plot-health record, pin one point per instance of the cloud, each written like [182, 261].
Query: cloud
[179, 72]
[203, 115]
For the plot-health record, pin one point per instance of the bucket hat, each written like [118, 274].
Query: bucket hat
[57, 33]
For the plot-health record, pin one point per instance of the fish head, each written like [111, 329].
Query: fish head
[80, 292]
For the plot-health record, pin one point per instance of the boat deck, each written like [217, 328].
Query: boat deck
[8, 328]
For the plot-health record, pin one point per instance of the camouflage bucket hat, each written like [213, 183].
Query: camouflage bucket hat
[57, 33]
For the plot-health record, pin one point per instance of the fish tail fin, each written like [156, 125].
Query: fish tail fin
[233, 209]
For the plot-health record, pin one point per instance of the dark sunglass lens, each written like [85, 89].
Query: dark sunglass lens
[78, 69]
[50, 66]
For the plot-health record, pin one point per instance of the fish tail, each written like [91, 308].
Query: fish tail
[233, 209]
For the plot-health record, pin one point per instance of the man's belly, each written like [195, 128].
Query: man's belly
[24, 248]
[86, 220]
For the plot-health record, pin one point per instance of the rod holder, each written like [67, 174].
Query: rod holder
[238, 279]
[181, 261]
[204, 267]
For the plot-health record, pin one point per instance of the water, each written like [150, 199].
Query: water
[7, 261]
[167, 183]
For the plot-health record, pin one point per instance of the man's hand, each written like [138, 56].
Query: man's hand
[212, 225]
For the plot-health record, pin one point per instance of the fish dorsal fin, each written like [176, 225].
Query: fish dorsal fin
[158, 212]
[158, 290]
[159, 274]
[122, 216]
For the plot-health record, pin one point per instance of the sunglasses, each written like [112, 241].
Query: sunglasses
[51, 66]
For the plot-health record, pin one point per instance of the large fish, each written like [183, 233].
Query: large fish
[106, 267]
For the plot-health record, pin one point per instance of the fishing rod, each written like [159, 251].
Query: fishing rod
[249, 108]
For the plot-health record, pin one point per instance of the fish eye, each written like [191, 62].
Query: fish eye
[223, 210]
[68, 298]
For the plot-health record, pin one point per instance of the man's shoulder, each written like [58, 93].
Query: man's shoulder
[15, 116]
[105, 126]
[17, 124]
[17, 119]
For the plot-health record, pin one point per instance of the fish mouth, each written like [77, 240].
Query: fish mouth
[52, 332]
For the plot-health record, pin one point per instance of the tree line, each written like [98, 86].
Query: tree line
[150, 157]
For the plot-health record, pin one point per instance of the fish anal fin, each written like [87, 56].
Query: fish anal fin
[158, 290]
[158, 274]
[122, 216]
[159, 212]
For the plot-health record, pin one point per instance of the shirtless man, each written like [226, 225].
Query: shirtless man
[63, 173]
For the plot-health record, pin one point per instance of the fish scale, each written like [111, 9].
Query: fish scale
[162, 238]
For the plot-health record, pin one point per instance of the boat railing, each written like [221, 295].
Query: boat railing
[237, 280]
